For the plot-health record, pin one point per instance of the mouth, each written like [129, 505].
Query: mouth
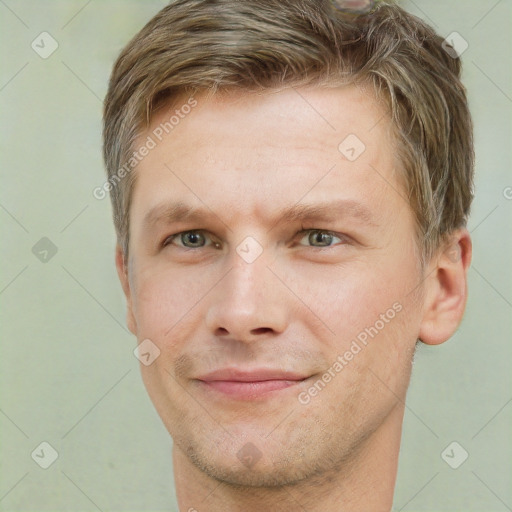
[247, 390]
[250, 385]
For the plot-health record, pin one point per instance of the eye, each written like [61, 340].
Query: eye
[320, 238]
[190, 240]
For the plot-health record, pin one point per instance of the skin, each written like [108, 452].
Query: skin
[244, 157]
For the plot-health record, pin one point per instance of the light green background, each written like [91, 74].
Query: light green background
[68, 374]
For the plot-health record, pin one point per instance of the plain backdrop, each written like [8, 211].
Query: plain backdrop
[68, 374]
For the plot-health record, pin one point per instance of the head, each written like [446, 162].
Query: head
[290, 184]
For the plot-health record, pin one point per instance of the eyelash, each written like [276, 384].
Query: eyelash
[344, 238]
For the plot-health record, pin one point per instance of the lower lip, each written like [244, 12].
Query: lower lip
[248, 390]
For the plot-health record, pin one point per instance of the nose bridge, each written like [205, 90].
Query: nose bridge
[247, 282]
[245, 302]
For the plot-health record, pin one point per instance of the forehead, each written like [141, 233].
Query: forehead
[309, 112]
[260, 152]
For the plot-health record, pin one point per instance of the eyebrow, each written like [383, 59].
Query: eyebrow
[329, 211]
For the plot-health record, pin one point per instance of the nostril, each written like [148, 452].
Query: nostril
[261, 330]
[221, 331]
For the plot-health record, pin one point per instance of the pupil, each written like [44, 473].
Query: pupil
[193, 238]
[322, 238]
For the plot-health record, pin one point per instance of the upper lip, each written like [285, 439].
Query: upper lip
[254, 375]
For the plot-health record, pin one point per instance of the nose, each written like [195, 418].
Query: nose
[247, 304]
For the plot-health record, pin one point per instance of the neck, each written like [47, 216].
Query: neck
[365, 482]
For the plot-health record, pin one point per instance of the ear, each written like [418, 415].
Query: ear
[446, 289]
[122, 272]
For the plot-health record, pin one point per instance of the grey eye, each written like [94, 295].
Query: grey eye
[193, 239]
[319, 238]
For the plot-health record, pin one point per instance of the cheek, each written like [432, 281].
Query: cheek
[163, 300]
[373, 321]
[368, 378]
[384, 335]
[347, 298]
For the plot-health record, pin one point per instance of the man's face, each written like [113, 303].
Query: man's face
[245, 287]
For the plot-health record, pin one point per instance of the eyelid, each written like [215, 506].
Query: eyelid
[299, 235]
[343, 238]
[170, 238]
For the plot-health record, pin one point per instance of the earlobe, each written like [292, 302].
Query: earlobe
[446, 290]
[122, 272]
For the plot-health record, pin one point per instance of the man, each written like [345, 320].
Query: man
[291, 182]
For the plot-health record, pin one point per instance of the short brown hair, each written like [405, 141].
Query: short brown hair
[211, 45]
